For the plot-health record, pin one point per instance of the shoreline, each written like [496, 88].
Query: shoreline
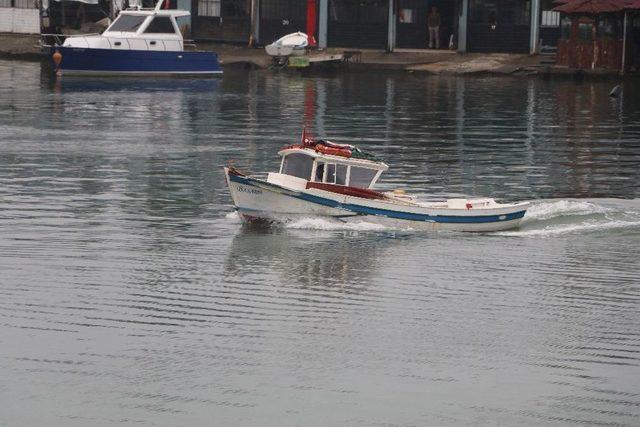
[26, 47]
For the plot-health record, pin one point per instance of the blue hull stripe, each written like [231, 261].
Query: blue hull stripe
[116, 61]
[366, 210]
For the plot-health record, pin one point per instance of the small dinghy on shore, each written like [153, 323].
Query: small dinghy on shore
[324, 179]
[291, 44]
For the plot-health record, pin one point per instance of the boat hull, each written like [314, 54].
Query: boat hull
[115, 62]
[260, 200]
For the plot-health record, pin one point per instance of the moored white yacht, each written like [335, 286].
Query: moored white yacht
[323, 179]
[138, 42]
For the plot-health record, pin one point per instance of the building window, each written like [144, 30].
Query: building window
[209, 8]
[550, 18]
[236, 8]
[500, 12]
[608, 27]
[19, 4]
[358, 11]
[565, 28]
[585, 31]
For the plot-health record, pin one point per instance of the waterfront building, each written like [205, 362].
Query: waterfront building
[509, 26]
[496, 26]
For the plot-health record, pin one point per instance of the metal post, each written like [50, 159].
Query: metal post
[624, 43]
[535, 27]
[462, 27]
[391, 34]
[254, 37]
[41, 23]
[323, 19]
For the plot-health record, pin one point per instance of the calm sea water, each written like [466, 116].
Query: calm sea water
[130, 294]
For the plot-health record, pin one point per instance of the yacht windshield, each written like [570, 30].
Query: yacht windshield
[161, 24]
[127, 23]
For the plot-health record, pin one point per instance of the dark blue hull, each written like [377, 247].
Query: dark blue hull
[115, 62]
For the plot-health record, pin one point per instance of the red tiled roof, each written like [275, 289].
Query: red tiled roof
[596, 6]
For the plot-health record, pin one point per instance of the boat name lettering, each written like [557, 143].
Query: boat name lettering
[248, 190]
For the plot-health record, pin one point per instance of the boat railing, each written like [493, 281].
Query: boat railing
[51, 39]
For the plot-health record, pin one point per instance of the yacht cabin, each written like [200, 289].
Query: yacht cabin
[143, 29]
[302, 165]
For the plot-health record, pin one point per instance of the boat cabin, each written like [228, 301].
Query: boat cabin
[147, 22]
[312, 166]
[137, 29]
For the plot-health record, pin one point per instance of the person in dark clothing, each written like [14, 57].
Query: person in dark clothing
[433, 22]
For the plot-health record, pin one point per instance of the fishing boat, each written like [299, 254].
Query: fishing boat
[139, 42]
[325, 179]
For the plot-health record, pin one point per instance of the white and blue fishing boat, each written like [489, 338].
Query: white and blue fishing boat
[324, 179]
[138, 42]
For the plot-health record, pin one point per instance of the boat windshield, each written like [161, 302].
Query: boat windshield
[127, 23]
[298, 165]
[361, 177]
[161, 24]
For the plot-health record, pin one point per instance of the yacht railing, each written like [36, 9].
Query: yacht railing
[52, 40]
[58, 39]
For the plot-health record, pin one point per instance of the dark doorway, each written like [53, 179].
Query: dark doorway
[281, 17]
[221, 20]
[499, 26]
[549, 24]
[412, 22]
[358, 23]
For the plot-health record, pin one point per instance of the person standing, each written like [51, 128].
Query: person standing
[433, 22]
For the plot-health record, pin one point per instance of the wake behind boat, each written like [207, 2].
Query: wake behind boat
[324, 179]
[139, 42]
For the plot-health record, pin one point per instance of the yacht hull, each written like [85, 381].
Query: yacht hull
[257, 199]
[116, 62]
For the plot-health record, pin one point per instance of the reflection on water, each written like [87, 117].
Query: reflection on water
[132, 294]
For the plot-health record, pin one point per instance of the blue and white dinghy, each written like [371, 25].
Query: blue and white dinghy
[323, 179]
[139, 42]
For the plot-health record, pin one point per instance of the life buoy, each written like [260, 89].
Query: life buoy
[342, 152]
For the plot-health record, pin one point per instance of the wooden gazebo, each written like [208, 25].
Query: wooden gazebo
[595, 34]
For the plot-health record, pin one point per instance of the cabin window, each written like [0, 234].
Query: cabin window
[335, 173]
[127, 23]
[330, 174]
[319, 172]
[361, 177]
[298, 165]
[161, 25]
[341, 174]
